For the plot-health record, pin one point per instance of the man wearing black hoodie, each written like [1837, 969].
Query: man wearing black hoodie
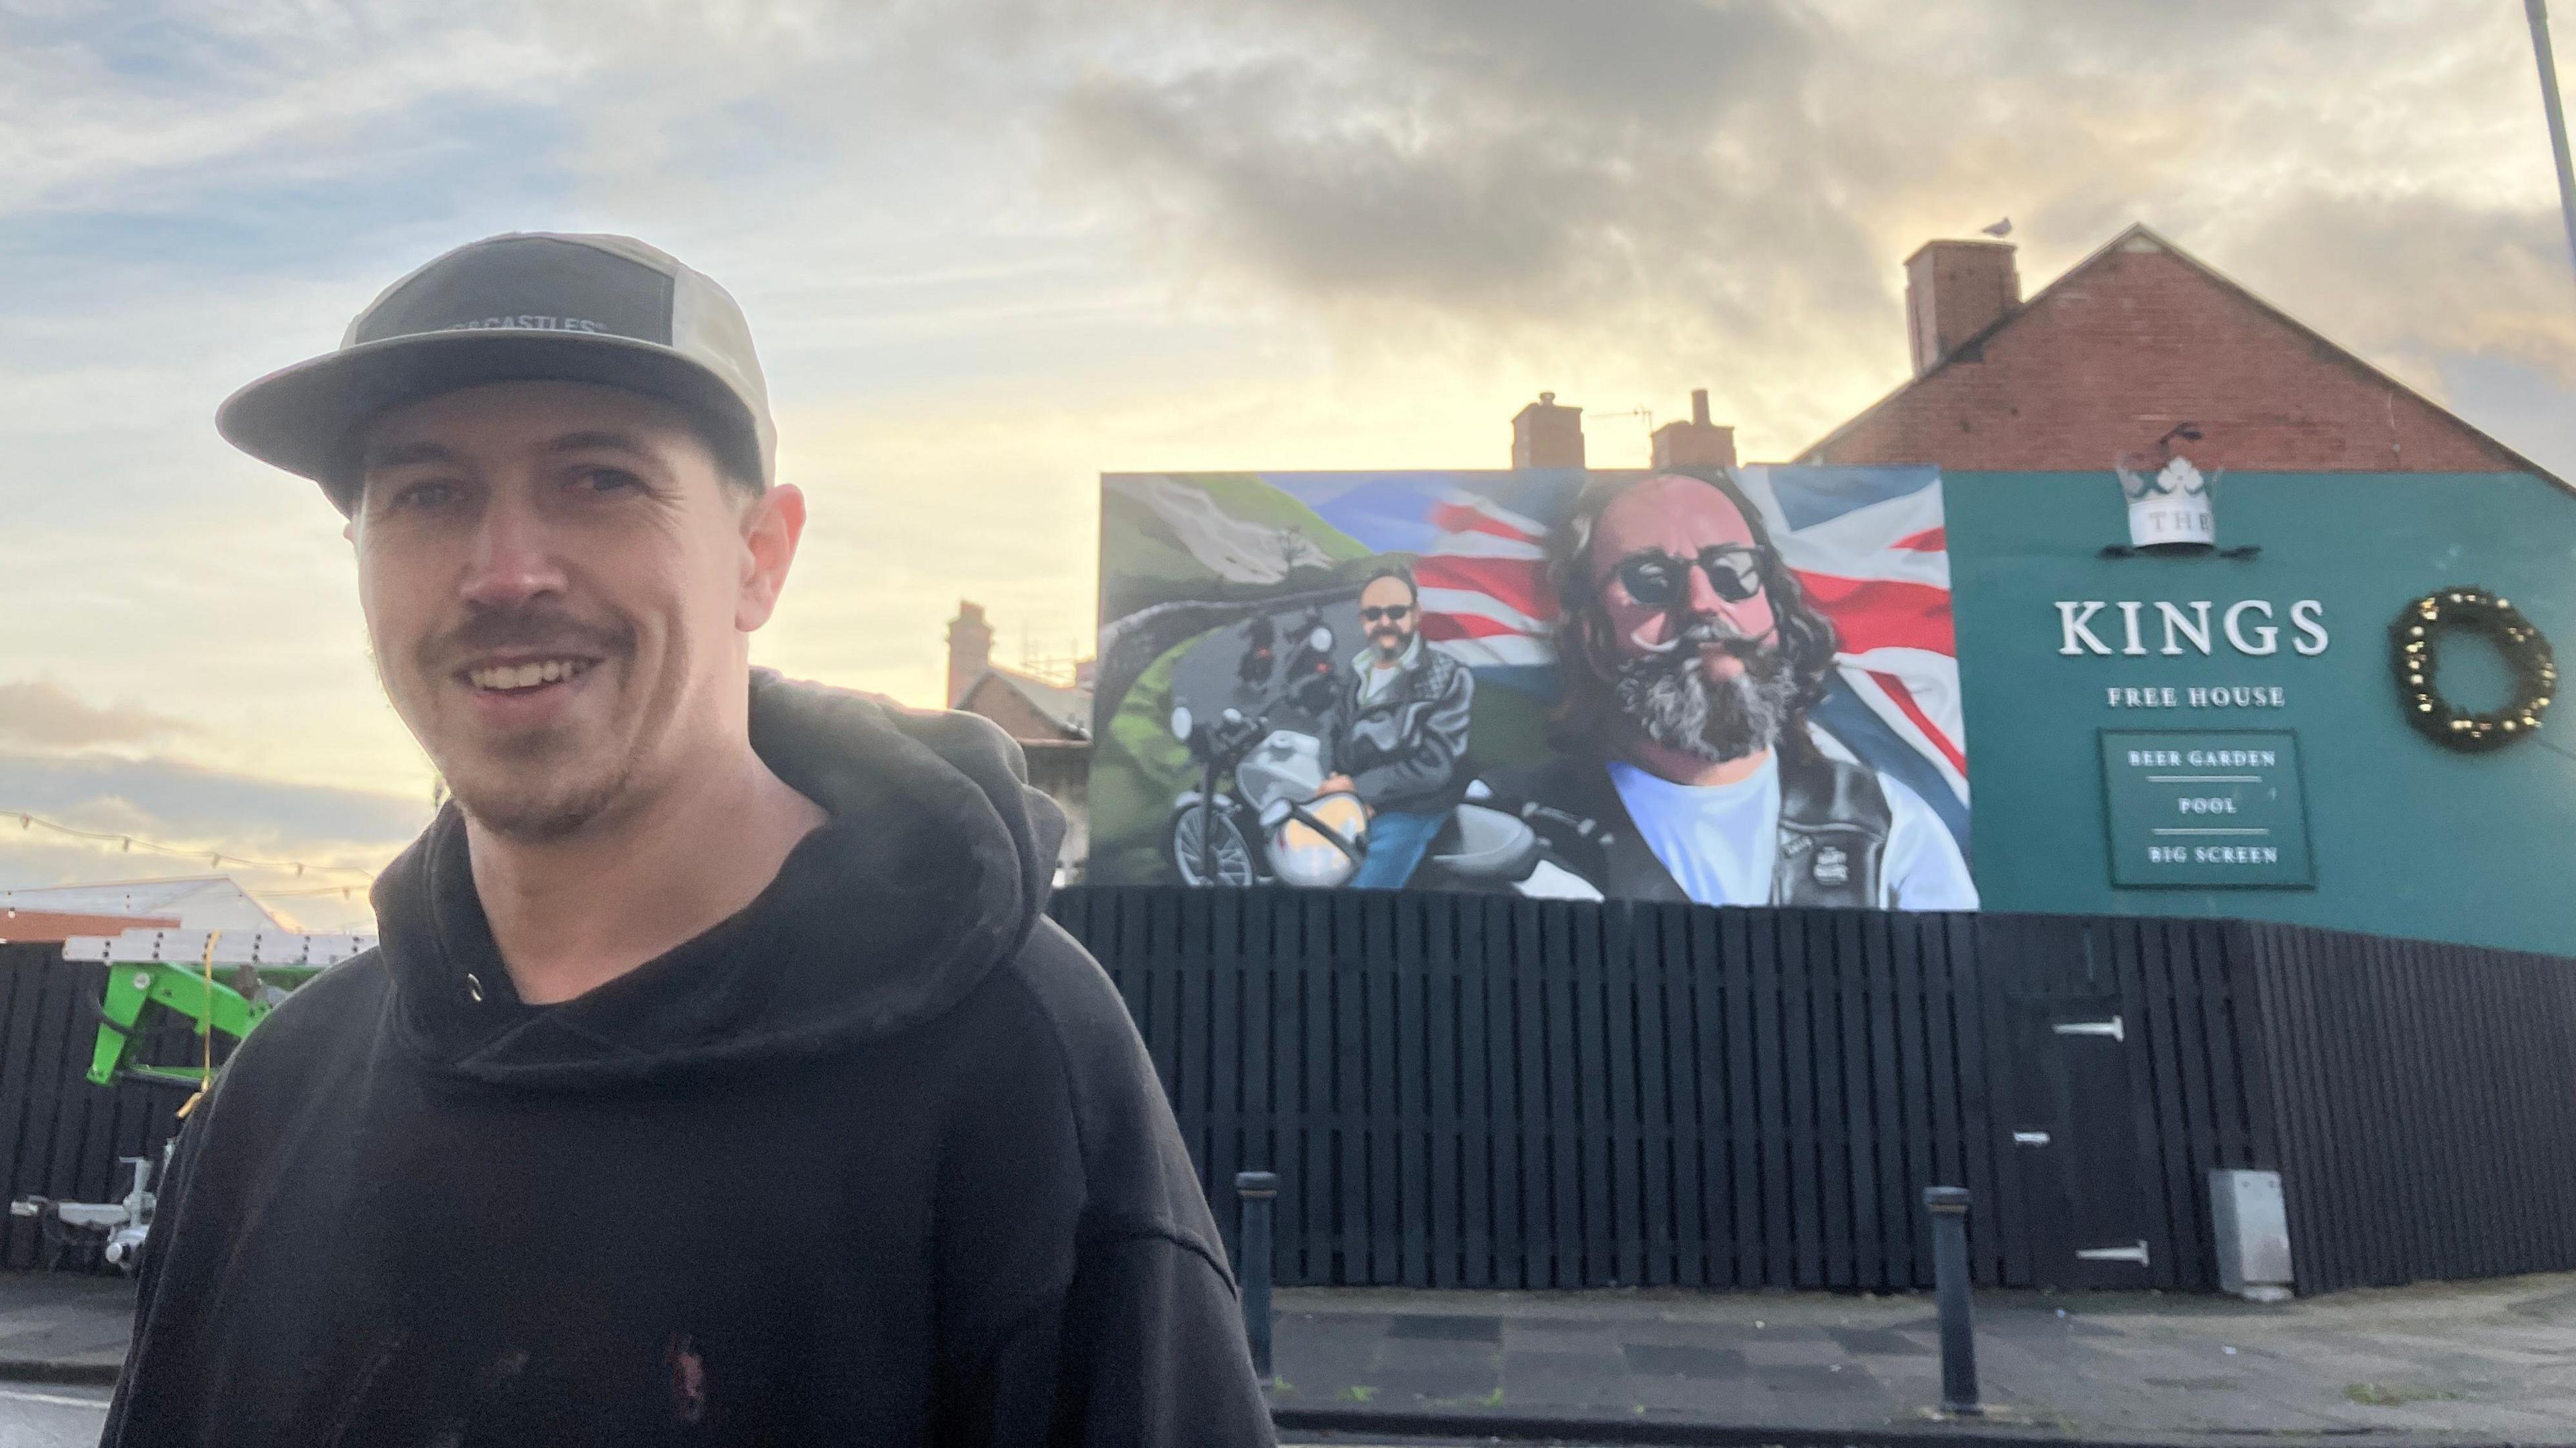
[719, 1078]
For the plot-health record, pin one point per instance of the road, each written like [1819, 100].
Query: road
[44, 1416]
[35, 1415]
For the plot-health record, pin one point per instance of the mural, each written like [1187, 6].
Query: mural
[1731, 687]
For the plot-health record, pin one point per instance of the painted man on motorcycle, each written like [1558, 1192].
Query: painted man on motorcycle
[1397, 735]
[1690, 656]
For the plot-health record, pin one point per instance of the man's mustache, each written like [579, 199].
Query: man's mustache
[1705, 634]
[525, 630]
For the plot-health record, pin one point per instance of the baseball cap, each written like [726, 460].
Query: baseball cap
[522, 307]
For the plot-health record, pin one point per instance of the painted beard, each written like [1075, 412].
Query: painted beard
[1672, 702]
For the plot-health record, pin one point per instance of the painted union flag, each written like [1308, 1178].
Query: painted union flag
[1866, 543]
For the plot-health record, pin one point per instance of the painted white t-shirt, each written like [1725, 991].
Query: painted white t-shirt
[1721, 842]
[1374, 680]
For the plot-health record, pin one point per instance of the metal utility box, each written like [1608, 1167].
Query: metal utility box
[2252, 1228]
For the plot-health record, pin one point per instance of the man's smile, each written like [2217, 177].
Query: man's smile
[512, 692]
[526, 675]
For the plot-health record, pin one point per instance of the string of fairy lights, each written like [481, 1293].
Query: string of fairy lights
[218, 858]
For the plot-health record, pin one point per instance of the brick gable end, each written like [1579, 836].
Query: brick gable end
[2131, 343]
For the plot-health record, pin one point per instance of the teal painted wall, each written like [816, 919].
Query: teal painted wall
[2409, 838]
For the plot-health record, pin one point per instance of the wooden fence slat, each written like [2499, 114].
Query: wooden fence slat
[1479, 1027]
[1979, 995]
[1919, 1092]
[1773, 1065]
[1890, 1130]
[53, 1108]
[1857, 1120]
[1319, 1165]
[1941, 1063]
[22, 972]
[1826, 1222]
[1406, 1242]
[1749, 1185]
[1444, 1130]
[1611, 1171]
[1664, 1107]
[1540, 1229]
[1222, 1066]
[1704, 1163]
[1569, 1065]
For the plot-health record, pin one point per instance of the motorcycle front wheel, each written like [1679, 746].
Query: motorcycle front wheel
[1233, 852]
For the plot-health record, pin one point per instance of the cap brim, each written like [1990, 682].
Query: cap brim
[303, 418]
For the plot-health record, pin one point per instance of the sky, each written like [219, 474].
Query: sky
[991, 249]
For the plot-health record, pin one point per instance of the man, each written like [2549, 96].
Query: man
[1689, 658]
[1398, 732]
[718, 1079]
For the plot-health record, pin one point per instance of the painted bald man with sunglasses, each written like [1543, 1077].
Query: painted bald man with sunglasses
[1398, 733]
[1689, 657]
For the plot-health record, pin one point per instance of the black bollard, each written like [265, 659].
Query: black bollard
[1949, 1206]
[1257, 1189]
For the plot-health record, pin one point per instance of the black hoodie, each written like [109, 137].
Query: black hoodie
[879, 1160]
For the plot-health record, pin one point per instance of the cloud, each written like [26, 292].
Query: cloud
[44, 715]
[1521, 159]
[994, 247]
[196, 808]
[1727, 188]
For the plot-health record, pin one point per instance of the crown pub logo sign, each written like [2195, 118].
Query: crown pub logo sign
[2170, 501]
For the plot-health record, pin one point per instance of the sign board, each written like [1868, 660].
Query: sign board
[2203, 809]
[1369, 680]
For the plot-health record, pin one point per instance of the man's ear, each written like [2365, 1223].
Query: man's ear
[1600, 651]
[771, 526]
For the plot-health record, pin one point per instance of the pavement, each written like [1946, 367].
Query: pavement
[2450, 1364]
[63, 1327]
[51, 1415]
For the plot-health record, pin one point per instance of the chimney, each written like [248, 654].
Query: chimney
[1545, 435]
[1953, 291]
[1696, 443]
[970, 650]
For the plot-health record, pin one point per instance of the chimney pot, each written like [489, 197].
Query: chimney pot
[1697, 443]
[1545, 435]
[970, 650]
[1953, 291]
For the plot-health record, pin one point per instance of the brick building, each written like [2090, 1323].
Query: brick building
[2138, 349]
[2135, 341]
[1051, 721]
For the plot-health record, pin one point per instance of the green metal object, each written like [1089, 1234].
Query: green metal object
[213, 1005]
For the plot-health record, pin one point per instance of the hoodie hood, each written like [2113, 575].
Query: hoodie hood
[932, 869]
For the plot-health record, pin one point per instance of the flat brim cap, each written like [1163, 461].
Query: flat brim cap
[525, 307]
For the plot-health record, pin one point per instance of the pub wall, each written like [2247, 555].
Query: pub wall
[2408, 838]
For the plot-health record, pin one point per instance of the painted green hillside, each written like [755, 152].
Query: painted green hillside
[1269, 541]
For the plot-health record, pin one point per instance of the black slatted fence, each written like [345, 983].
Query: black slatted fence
[2425, 1097]
[1473, 1091]
[1483, 1091]
[59, 1135]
